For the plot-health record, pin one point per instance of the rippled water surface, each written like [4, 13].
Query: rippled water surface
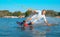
[9, 28]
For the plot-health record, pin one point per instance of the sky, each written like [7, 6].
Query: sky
[23, 5]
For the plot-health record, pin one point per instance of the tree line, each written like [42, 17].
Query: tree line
[27, 13]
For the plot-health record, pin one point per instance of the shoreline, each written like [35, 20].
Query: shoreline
[57, 16]
[25, 17]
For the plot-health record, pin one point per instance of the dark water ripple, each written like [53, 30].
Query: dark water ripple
[9, 28]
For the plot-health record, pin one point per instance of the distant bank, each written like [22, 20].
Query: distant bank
[13, 16]
[57, 16]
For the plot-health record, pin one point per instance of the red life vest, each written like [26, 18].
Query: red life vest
[25, 24]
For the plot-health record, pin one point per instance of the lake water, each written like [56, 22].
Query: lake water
[9, 28]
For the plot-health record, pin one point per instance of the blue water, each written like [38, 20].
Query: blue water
[9, 28]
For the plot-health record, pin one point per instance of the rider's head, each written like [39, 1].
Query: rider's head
[43, 12]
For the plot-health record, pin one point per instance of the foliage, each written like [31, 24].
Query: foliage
[27, 13]
[17, 13]
[51, 13]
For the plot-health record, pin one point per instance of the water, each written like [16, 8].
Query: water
[9, 28]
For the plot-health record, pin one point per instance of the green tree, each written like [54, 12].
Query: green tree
[58, 13]
[9, 14]
[51, 13]
[4, 13]
[27, 13]
[17, 13]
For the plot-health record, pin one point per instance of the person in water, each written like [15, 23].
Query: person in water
[20, 23]
[38, 16]
[23, 24]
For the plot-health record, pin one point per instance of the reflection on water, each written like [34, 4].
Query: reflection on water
[32, 33]
[9, 28]
[39, 34]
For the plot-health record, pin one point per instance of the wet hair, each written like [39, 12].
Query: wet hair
[43, 11]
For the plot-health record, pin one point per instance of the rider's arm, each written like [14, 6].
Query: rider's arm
[45, 20]
[30, 18]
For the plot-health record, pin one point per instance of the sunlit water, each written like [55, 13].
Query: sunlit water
[9, 28]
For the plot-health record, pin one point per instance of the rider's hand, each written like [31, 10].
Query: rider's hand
[30, 18]
[49, 24]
